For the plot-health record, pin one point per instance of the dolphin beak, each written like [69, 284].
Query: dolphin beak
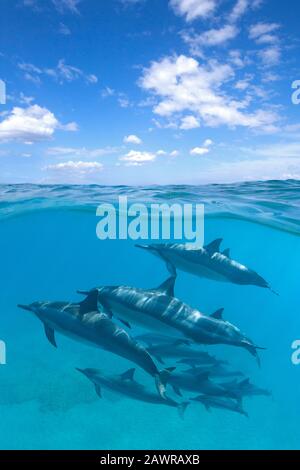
[80, 370]
[25, 307]
[83, 292]
[143, 247]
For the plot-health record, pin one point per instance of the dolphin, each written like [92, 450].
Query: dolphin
[246, 389]
[215, 370]
[181, 349]
[199, 383]
[206, 262]
[84, 323]
[125, 385]
[157, 309]
[219, 402]
[203, 360]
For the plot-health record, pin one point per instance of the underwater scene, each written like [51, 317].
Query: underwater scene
[112, 345]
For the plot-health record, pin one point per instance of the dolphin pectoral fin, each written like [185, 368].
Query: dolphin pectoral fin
[167, 287]
[218, 315]
[171, 268]
[128, 375]
[177, 390]
[214, 246]
[123, 321]
[161, 380]
[252, 350]
[90, 303]
[98, 390]
[226, 253]
[181, 408]
[50, 335]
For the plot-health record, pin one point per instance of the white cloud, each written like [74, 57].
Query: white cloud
[161, 153]
[205, 149]
[183, 86]
[65, 6]
[239, 10]
[212, 37]
[260, 29]
[132, 139]
[271, 55]
[174, 153]
[189, 122]
[193, 9]
[62, 73]
[81, 152]
[135, 157]
[199, 151]
[208, 143]
[76, 167]
[31, 124]
[64, 29]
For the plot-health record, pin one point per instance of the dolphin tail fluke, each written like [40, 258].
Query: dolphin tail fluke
[181, 408]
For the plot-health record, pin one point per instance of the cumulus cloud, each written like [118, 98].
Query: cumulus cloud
[183, 86]
[61, 73]
[31, 124]
[132, 139]
[199, 151]
[135, 158]
[189, 122]
[212, 37]
[193, 9]
[202, 150]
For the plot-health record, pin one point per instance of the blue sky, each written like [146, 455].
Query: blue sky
[149, 91]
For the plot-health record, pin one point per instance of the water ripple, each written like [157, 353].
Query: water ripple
[272, 203]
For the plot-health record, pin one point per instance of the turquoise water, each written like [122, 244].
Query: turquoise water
[50, 249]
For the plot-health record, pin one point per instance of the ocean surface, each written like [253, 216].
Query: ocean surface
[49, 249]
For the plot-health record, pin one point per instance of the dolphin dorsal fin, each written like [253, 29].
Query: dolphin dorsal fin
[128, 375]
[167, 287]
[245, 382]
[226, 252]
[214, 246]
[90, 303]
[218, 315]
